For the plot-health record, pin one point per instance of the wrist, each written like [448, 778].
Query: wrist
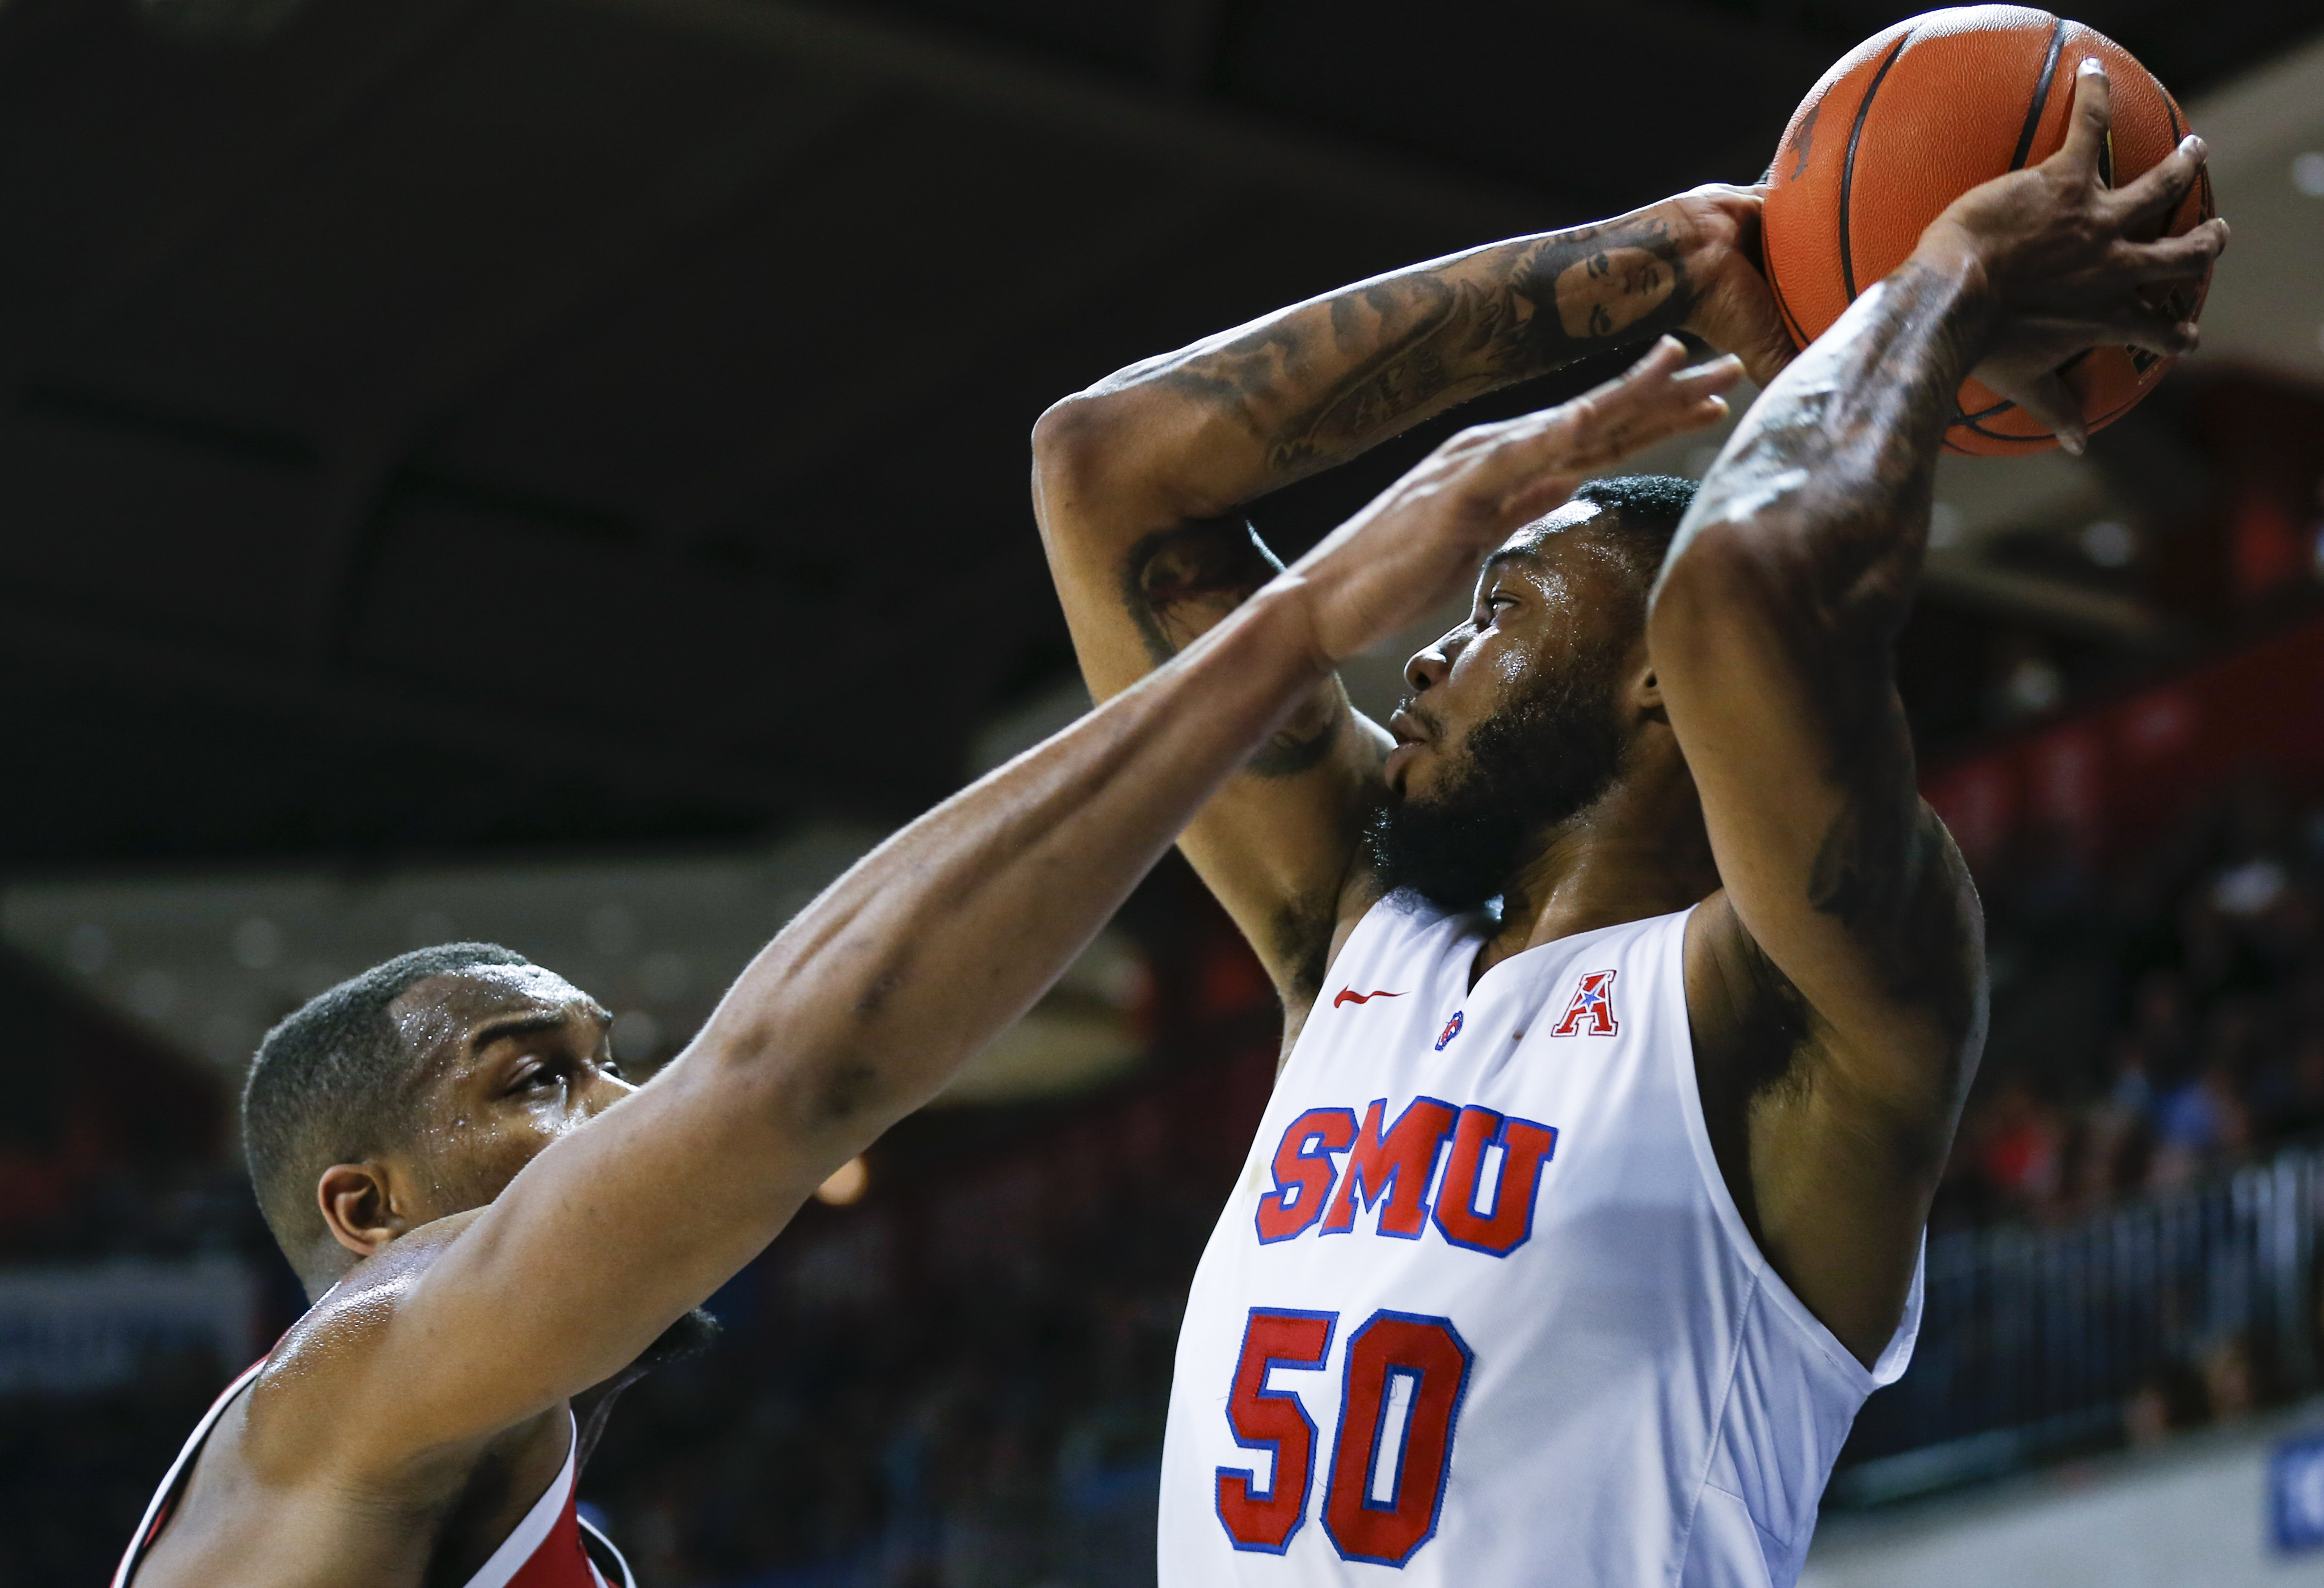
[1956, 264]
[1952, 254]
[1279, 631]
[1700, 236]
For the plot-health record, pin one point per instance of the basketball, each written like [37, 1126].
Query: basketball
[1915, 116]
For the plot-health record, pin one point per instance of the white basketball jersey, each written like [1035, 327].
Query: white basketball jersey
[1481, 1310]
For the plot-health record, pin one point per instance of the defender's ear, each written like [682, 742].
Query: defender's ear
[358, 1206]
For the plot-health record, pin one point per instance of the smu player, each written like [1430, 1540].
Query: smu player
[1631, 992]
[491, 1223]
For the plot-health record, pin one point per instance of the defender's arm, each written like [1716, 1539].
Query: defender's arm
[1136, 483]
[1847, 926]
[865, 1006]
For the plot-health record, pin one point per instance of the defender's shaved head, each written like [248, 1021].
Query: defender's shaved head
[337, 1082]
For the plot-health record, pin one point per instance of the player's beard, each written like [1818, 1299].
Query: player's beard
[691, 1334]
[1548, 753]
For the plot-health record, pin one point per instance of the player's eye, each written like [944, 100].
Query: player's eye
[538, 1078]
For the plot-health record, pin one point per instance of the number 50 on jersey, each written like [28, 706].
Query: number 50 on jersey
[1402, 1380]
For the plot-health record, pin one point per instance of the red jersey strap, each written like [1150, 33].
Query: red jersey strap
[543, 1550]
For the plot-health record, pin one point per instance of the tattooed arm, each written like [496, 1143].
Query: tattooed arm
[1136, 483]
[1836, 983]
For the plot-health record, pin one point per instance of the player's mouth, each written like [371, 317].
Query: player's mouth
[1413, 732]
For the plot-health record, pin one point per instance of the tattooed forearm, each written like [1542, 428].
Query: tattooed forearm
[1846, 442]
[1825, 491]
[1331, 377]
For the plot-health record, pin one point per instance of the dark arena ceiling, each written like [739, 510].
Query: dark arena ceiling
[446, 424]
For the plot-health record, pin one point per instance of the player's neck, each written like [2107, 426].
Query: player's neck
[1640, 851]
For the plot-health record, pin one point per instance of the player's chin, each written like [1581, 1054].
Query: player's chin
[1396, 770]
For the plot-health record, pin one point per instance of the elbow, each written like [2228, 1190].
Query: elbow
[1121, 451]
[808, 1086]
[1713, 563]
[1075, 436]
[1725, 578]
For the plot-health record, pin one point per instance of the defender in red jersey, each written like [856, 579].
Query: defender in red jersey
[497, 1229]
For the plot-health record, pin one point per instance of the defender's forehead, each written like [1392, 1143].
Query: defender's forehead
[441, 1015]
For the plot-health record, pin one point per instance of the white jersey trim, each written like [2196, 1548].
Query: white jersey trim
[525, 1536]
[1897, 1354]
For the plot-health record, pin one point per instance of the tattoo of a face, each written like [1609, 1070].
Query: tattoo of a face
[1177, 582]
[1413, 343]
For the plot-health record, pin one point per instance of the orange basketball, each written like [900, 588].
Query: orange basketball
[1915, 116]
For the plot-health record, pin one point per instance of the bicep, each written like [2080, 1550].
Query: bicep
[1276, 843]
[1834, 866]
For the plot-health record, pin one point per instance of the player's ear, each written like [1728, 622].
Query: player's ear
[1646, 695]
[358, 1206]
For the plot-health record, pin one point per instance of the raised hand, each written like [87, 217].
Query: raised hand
[2062, 255]
[1733, 309]
[1422, 538]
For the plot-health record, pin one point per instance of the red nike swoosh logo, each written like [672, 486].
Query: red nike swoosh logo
[1350, 995]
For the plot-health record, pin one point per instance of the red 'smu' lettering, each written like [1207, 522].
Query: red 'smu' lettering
[1525, 1147]
[1303, 1172]
[1350, 995]
[1394, 1164]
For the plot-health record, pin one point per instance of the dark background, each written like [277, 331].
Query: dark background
[460, 425]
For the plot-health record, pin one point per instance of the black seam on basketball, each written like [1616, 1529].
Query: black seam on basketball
[1848, 167]
[1800, 339]
[2000, 436]
[2041, 94]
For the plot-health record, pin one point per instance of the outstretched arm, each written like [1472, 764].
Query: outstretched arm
[865, 1006]
[1847, 925]
[1137, 482]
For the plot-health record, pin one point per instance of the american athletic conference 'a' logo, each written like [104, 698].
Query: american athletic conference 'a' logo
[1591, 1011]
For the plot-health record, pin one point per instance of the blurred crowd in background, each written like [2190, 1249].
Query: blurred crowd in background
[2152, 1025]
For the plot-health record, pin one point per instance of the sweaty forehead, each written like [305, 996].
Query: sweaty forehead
[1537, 536]
[437, 1015]
[1554, 536]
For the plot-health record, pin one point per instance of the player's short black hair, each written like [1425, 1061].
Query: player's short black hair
[333, 1083]
[1644, 510]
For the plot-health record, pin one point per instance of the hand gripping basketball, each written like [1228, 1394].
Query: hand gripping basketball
[2062, 255]
[1420, 539]
[1927, 111]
